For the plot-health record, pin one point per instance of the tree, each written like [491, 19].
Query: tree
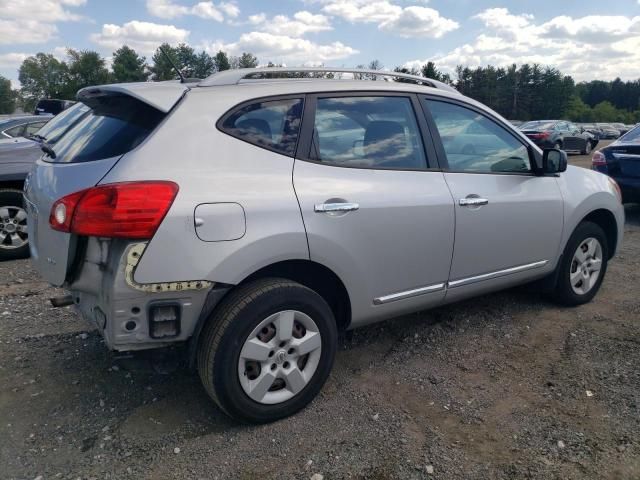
[7, 96]
[221, 61]
[86, 68]
[43, 76]
[187, 59]
[204, 65]
[161, 68]
[128, 66]
[247, 60]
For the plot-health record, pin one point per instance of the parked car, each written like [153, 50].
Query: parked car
[608, 131]
[592, 128]
[51, 106]
[12, 128]
[16, 158]
[621, 161]
[621, 127]
[252, 221]
[559, 134]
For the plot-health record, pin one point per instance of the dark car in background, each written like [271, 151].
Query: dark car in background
[608, 131]
[16, 159]
[592, 128]
[621, 127]
[559, 134]
[51, 106]
[21, 126]
[621, 161]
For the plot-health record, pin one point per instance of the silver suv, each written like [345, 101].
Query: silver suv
[251, 217]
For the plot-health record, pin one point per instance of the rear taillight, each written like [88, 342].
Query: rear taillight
[598, 159]
[122, 210]
[539, 136]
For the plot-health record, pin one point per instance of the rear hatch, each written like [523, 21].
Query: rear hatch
[121, 117]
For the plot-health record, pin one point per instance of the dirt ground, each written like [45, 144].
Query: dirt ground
[503, 386]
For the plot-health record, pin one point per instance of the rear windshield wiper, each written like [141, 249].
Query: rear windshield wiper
[48, 150]
[39, 137]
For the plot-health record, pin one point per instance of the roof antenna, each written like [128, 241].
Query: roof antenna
[166, 55]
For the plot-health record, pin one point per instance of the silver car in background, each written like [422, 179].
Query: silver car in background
[252, 217]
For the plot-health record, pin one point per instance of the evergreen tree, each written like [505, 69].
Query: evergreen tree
[127, 66]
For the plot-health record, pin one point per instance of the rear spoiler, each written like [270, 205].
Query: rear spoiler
[160, 95]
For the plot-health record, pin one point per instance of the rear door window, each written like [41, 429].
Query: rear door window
[115, 125]
[17, 131]
[271, 124]
[367, 132]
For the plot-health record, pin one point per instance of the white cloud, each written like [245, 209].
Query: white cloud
[142, 36]
[261, 17]
[585, 47]
[13, 60]
[13, 32]
[408, 22]
[207, 9]
[282, 48]
[301, 23]
[419, 22]
[47, 11]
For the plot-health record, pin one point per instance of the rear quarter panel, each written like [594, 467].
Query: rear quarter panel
[212, 167]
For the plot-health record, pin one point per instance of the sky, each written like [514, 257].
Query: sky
[588, 39]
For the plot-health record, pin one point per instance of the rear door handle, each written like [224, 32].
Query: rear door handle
[335, 207]
[472, 202]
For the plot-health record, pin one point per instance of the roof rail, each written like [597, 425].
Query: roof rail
[236, 76]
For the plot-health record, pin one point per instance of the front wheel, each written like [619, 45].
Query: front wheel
[583, 265]
[267, 350]
[14, 241]
[587, 148]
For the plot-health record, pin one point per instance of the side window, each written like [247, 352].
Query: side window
[272, 124]
[367, 132]
[16, 131]
[474, 143]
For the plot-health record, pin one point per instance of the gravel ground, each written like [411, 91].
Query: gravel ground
[503, 386]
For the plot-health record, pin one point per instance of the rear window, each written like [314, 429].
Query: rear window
[632, 136]
[540, 125]
[114, 126]
[59, 124]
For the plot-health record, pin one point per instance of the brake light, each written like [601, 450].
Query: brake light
[598, 159]
[540, 136]
[116, 210]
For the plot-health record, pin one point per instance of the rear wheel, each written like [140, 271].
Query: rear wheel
[14, 242]
[557, 145]
[583, 265]
[267, 350]
[587, 148]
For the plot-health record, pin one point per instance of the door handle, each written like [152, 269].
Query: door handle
[472, 202]
[335, 207]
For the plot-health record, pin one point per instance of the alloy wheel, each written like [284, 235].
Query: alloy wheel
[13, 227]
[585, 266]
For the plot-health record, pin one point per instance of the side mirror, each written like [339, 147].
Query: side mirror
[554, 160]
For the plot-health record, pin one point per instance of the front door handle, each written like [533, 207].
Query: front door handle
[472, 202]
[335, 207]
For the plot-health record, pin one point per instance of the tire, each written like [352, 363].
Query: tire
[13, 236]
[566, 291]
[587, 148]
[558, 145]
[233, 325]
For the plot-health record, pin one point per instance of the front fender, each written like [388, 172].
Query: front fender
[585, 191]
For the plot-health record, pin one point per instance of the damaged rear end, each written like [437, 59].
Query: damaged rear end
[88, 236]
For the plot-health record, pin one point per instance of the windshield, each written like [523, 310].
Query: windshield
[59, 124]
[538, 125]
[114, 125]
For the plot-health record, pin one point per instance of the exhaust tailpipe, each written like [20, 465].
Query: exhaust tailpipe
[63, 301]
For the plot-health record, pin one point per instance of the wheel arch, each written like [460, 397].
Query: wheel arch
[318, 278]
[606, 220]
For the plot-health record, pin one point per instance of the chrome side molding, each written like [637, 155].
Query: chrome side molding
[408, 294]
[497, 273]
